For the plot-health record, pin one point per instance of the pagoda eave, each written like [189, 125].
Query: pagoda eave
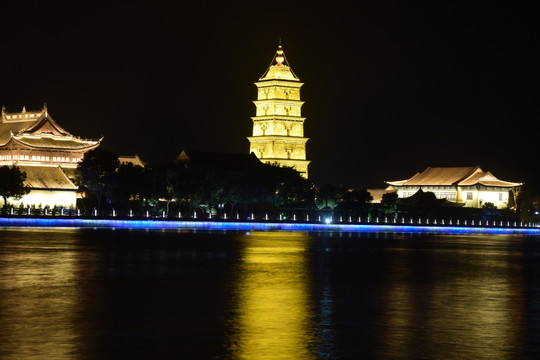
[278, 138]
[278, 118]
[283, 83]
[277, 101]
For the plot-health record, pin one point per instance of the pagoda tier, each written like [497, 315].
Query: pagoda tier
[278, 127]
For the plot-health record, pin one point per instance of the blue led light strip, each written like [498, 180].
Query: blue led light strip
[262, 226]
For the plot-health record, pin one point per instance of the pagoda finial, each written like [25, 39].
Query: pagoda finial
[279, 55]
[3, 110]
[45, 109]
[24, 109]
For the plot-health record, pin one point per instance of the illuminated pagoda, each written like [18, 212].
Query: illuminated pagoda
[278, 127]
[48, 154]
[469, 186]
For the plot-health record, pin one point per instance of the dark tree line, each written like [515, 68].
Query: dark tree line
[223, 189]
[209, 190]
[212, 190]
[175, 187]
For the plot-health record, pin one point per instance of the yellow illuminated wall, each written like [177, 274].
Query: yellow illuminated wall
[496, 195]
[66, 198]
[278, 127]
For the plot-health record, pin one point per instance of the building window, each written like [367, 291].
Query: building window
[469, 195]
[448, 195]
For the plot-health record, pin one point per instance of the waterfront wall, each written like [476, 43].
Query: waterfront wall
[17, 221]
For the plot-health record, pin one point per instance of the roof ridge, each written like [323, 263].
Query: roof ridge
[470, 174]
[46, 117]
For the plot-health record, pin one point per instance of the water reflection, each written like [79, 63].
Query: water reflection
[37, 304]
[454, 303]
[103, 294]
[273, 314]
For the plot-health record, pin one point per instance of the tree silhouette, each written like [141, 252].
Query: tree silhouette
[98, 172]
[12, 183]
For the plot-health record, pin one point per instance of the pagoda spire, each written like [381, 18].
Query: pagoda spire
[280, 56]
[279, 67]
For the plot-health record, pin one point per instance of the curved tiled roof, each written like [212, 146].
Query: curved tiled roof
[7, 129]
[448, 176]
[436, 176]
[47, 177]
[38, 129]
[55, 142]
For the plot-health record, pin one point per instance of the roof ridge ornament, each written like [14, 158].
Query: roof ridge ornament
[279, 65]
[280, 56]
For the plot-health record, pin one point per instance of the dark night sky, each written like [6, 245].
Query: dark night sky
[390, 87]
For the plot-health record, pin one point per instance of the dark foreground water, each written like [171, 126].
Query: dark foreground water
[121, 294]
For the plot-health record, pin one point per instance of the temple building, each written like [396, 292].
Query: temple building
[470, 186]
[228, 162]
[278, 127]
[48, 154]
[134, 160]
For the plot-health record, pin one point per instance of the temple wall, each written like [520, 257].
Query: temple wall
[470, 196]
[65, 198]
[22, 157]
[498, 198]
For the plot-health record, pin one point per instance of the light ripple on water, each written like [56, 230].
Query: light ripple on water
[98, 293]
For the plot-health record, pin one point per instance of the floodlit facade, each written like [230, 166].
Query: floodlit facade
[278, 127]
[48, 154]
[134, 160]
[470, 186]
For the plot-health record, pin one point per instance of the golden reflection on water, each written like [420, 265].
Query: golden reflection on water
[274, 315]
[38, 299]
[470, 308]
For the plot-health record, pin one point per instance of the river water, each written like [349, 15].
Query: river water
[153, 294]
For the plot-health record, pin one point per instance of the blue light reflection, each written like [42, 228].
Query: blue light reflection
[261, 226]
